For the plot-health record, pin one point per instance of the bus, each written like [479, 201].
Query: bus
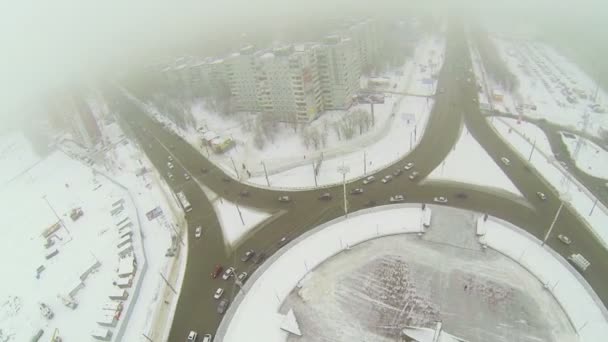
[184, 201]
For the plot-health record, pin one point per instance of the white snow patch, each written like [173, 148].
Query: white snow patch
[591, 159]
[233, 227]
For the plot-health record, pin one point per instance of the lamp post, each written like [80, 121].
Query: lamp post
[344, 170]
[561, 206]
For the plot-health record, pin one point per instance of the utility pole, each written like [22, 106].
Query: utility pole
[167, 282]
[373, 116]
[532, 151]
[344, 170]
[594, 204]
[561, 205]
[54, 212]
[314, 173]
[235, 169]
[240, 214]
[364, 163]
[147, 338]
[265, 173]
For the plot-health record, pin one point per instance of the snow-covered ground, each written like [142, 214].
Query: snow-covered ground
[469, 163]
[583, 307]
[550, 86]
[16, 157]
[301, 278]
[572, 192]
[237, 220]
[591, 158]
[44, 194]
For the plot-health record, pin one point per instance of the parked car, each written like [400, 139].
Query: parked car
[242, 276]
[326, 196]
[369, 179]
[408, 166]
[397, 172]
[170, 158]
[192, 336]
[207, 338]
[170, 175]
[186, 176]
[462, 195]
[218, 293]
[396, 198]
[440, 199]
[228, 273]
[564, 239]
[222, 306]
[170, 165]
[356, 191]
[198, 232]
[248, 255]
[217, 270]
[387, 179]
[244, 193]
[370, 203]
[541, 195]
[284, 240]
[259, 258]
[505, 161]
[284, 199]
[413, 175]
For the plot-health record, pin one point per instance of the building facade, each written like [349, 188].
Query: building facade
[241, 76]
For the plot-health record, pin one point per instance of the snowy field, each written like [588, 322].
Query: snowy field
[469, 163]
[360, 290]
[591, 159]
[550, 87]
[554, 173]
[16, 157]
[237, 220]
[88, 261]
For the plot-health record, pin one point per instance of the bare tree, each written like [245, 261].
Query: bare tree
[305, 136]
[315, 137]
[336, 126]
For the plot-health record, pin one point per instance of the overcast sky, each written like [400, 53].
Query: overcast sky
[48, 42]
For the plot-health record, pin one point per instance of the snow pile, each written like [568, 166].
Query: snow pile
[585, 313]
[469, 163]
[237, 220]
[591, 159]
[266, 293]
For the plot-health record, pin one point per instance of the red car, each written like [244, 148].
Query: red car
[217, 271]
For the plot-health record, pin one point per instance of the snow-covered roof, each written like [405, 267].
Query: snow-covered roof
[290, 324]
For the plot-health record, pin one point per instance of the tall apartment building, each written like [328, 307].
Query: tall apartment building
[71, 111]
[288, 83]
[339, 71]
[365, 37]
[241, 76]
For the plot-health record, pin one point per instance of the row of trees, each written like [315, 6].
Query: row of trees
[493, 63]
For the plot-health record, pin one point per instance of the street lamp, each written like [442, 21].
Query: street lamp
[562, 198]
[344, 170]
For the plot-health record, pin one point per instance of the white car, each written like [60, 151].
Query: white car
[170, 158]
[170, 165]
[396, 198]
[387, 179]
[170, 175]
[192, 336]
[218, 293]
[284, 199]
[564, 239]
[413, 175]
[198, 232]
[408, 166]
[440, 199]
[505, 161]
[369, 179]
[228, 273]
[207, 338]
[242, 276]
[541, 195]
[186, 176]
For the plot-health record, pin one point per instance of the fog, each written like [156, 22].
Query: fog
[48, 44]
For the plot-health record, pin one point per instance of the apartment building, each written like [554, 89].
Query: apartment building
[288, 83]
[70, 111]
[241, 76]
[365, 37]
[339, 71]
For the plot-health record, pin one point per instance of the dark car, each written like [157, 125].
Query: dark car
[217, 270]
[284, 199]
[397, 172]
[370, 203]
[259, 258]
[248, 255]
[222, 306]
[462, 195]
[204, 170]
[226, 179]
[356, 191]
[244, 193]
[325, 196]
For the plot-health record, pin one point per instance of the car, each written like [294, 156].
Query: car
[228, 273]
[505, 161]
[408, 166]
[170, 158]
[169, 175]
[284, 240]
[198, 232]
[356, 191]
[217, 270]
[207, 338]
[541, 195]
[218, 293]
[204, 170]
[244, 193]
[387, 179]
[186, 176]
[369, 179]
[192, 336]
[396, 198]
[170, 165]
[284, 199]
[462, 195]
[413, 175]
[242, 276]
[226, 179]
[440, 199]
[564, 239]
[326, 196]
[370, 203]
[222, 306]
[397, 172]
[248, 255]
[259, 258]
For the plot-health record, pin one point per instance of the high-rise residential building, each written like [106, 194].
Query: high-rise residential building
[288, 83]
[364, 35]
[339, 71]
[71, 111]
[241, 76]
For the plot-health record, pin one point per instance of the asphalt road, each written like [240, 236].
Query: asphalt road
[196, 309]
